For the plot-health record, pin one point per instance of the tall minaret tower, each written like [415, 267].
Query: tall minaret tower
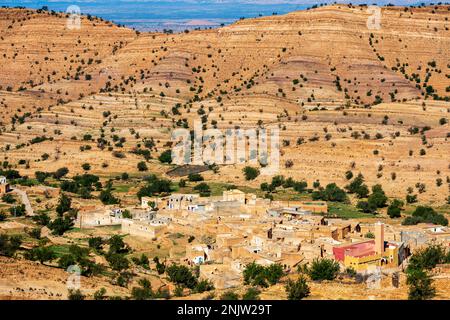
[379, 237]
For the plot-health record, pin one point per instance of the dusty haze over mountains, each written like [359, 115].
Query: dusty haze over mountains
[178, 15]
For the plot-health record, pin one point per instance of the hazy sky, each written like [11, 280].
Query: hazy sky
[155, 14]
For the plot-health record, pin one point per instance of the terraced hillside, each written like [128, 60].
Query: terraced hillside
[345, 96]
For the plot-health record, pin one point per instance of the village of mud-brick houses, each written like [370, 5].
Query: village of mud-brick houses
[238, 228]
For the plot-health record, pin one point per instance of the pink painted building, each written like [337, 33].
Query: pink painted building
[360, 249]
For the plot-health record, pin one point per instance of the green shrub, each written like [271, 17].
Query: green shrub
[75, 295]
[394, 209]
[144, 292]
[323, 269]
[411, 198]
[427, 258]
[41, 254]
[142, 166]
[203, 189]
[8, 198]
[252, 293]
[357, 186]
[297, 290]
[180, 274]
[366, 207]
[154, 187]
[117, 261]
[96, 243]
[229, 295]
[100, 294]
[195, 177]
[420, 285]
[203, 285]
[165, 157]
[424, 214]
[258, 275]
[369, 235]
[331, 193]
[60, 225]
[106, 196]
[250, 173]
[378, 198]
[18, 211]
[63, 204]
[9, 245]
[350, 271]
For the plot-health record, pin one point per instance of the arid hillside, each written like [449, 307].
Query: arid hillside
[345, 96]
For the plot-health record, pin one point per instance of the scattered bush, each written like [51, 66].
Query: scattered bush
[424, 214]
[203, 189]
[297, 290]
[195, 177]
[323, 269]
[41, 254]
[250, 173]
[258, 275]
[9, 245]
[75, 295]
[155, 186]
[180, 274]
[8, 198]
[229, 295]
[252, 293]
[142, 166]
[144, 292]
[420, 285]
[165, 157]
[394, 209]
[331, 193]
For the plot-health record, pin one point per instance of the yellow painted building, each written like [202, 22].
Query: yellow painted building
[368, 254]
[388, 259]
[362, 263]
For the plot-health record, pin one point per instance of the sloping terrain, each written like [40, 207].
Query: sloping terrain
[345, 96]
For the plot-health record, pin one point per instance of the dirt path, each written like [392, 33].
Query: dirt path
[24, 197]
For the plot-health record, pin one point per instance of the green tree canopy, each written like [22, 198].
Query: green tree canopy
[250, 173]
[165, 156]
[64, 204]
[297, 290]
[323, 269]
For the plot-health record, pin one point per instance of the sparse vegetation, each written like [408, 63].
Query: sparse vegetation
[251, 173]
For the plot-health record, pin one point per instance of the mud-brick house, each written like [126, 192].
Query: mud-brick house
[4, 185]
[181, 201]
[310, 251]
[89, 217]
[326, 245]
[326, 231]
[303, 206]
[144, 229]
[234, 195]
[151, 202]
[414, 238]
[315, 220]
[221, 275]
[343, 227]
[229, 239]
[219, 255]
[197, 253]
